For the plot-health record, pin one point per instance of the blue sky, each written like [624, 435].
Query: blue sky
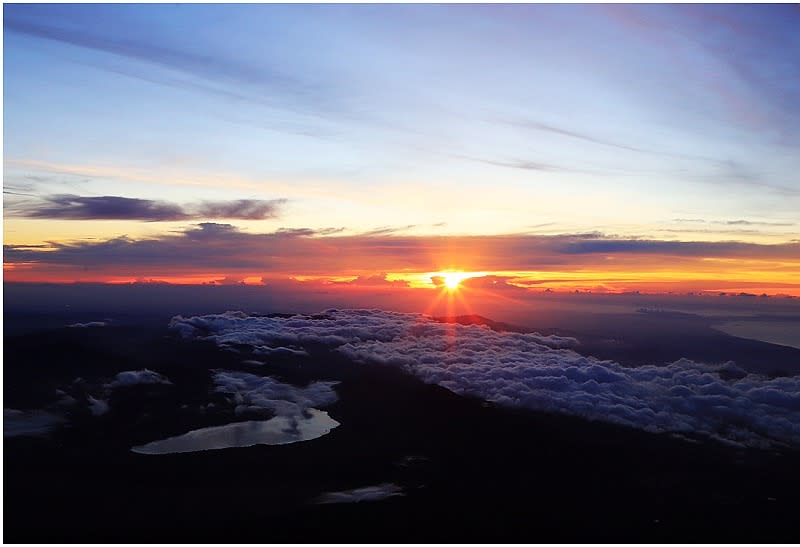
[667, 122]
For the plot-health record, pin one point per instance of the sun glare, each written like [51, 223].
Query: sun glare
[452, 280]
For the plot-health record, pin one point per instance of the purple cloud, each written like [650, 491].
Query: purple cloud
[72, 207]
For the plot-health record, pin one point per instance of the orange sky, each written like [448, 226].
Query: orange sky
[222, 254]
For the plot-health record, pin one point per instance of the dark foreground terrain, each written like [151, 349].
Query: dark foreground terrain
[470, 472]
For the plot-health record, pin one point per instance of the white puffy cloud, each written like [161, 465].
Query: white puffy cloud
[333, 327]
[28, 423]
[133, 377]
[537, 372]
[251, 392]
[366, 493]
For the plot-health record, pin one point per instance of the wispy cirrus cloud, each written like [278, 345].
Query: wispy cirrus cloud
[737, 222]
[536, 125]
[753, 223]
[536, 165]
[527, 165]
[249, 81]
[548, 128]
[59, 174]
[172, 58]
[389, 230]
[72, 207]
[706, 169]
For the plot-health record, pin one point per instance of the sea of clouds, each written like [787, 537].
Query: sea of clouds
[532, 371]
[136, 377]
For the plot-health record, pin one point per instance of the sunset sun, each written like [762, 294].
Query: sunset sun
[452, 280]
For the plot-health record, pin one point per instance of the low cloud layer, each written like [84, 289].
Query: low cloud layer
[367, 493]
[254, 393]
[72, 207]
[31, 423]
[97, 407]
[295, 416]
[334, 327]
[533, 371]
[135, 377]
[87, 325]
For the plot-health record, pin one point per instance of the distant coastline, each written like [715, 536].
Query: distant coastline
[784, 333]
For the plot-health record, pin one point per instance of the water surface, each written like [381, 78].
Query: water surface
[785, 333]
[278, 430]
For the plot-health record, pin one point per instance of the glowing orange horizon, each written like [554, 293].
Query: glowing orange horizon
[450, 281]
[221, 254]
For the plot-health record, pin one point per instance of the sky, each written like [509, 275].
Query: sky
[591, 147]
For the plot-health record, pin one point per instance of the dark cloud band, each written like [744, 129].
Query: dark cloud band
[72, 207]
[222, 247]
